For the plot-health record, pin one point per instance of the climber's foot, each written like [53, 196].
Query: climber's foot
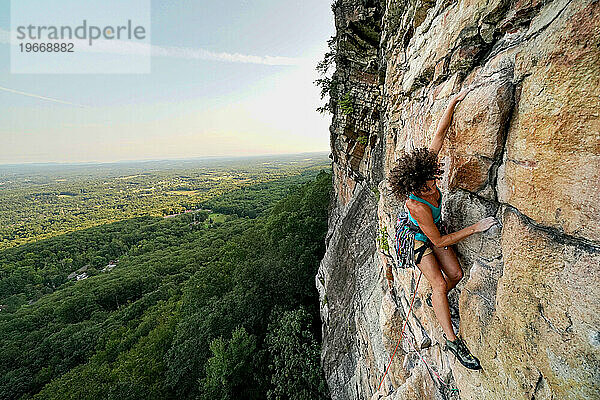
[428, 300]
[462, 353]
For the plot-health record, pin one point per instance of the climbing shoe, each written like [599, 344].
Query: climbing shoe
[428, 300]
[462, 353]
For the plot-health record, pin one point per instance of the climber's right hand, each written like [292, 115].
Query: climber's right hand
[485, 224]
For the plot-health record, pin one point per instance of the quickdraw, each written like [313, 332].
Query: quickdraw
[404, 240]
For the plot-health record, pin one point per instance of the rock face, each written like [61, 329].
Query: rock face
[523, 146]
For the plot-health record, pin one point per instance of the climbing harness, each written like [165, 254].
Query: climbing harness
[404, 242]
[413, 345]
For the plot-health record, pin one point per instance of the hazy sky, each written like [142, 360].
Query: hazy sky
[187, 107]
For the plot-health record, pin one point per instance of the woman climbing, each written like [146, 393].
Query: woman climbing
[422, 233]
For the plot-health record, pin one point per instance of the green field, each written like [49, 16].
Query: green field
[41, 201]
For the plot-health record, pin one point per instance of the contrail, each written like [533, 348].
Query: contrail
[41, 97]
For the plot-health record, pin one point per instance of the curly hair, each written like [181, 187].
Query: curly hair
[412, 172]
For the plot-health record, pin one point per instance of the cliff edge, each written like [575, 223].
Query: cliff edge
[523, 146]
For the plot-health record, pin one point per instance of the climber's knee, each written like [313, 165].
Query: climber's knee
[457, 276]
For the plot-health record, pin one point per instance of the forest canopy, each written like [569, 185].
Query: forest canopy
[219, 303]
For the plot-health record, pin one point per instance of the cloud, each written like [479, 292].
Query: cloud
[145, 49]
[41, 97]
[201, 54]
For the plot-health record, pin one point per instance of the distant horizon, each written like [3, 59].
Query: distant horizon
[198, 158]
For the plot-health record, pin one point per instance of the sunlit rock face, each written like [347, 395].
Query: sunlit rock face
[524, 146]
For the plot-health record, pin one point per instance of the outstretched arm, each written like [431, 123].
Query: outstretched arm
[442, 128]
[422, 214]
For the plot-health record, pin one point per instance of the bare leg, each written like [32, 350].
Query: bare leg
[431, 269]
[449, 264]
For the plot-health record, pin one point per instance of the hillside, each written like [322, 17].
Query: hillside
[201, 305]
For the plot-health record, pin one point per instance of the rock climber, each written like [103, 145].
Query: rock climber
[413, 179]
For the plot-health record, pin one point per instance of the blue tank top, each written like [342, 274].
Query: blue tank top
[435, 211]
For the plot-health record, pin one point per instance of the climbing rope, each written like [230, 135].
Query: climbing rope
[401, 333]
[413, 345]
